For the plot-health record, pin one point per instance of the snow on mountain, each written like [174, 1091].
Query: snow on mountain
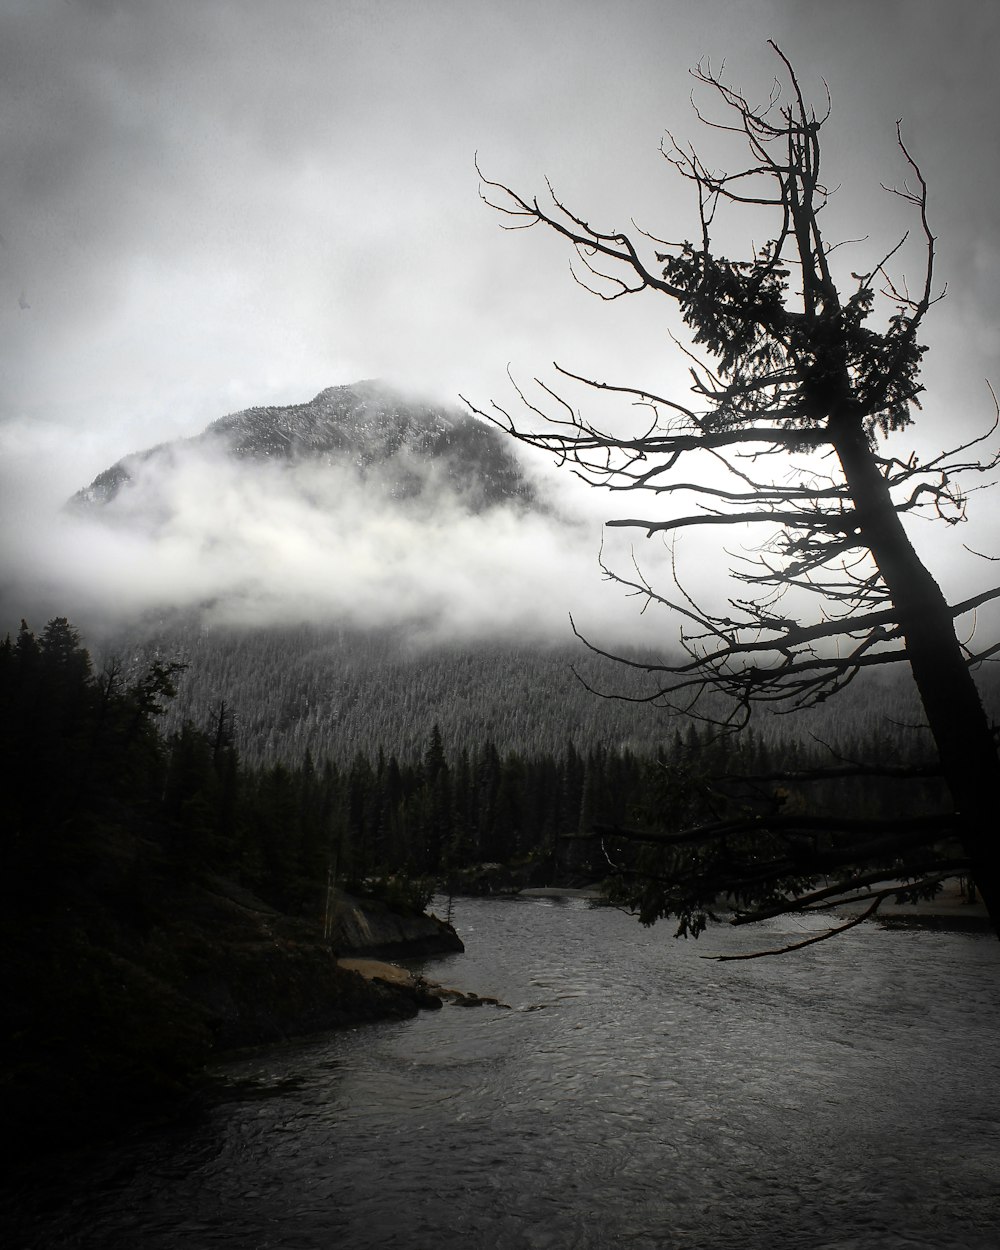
[386, 440]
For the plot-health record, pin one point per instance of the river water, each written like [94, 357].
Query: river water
[634, 1094]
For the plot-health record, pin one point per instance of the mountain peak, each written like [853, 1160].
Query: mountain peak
[381, 435]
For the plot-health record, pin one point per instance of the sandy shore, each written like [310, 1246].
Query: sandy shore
[382, 970]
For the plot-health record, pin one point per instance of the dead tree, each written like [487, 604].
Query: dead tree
[799, 373]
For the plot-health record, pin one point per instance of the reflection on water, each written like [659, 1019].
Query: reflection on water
[635, 1094]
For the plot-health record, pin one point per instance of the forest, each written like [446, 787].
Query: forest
[333, 691]
[146, 861]
[86, 756]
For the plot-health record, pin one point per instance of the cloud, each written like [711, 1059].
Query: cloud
[209, 207]
[250, 543]
[232, 541]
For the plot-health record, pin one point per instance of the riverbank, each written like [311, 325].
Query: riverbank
[428, 993]
[820, 1099]
[118, 998]
[951, 908]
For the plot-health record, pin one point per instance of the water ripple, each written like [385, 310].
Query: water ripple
[846, 1098]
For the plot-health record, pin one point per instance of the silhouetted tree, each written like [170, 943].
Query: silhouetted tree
[810, 367]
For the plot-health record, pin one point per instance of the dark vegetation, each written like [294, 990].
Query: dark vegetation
[163, 899]
[159, 901]
[335, 692]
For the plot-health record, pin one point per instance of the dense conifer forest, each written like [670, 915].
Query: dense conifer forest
[87, 753]
[334, 692]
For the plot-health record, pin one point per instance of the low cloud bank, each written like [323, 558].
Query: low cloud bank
[238, 542]
[231, 542]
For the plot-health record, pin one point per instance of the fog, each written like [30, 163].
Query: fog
[206, 208]
[234, 541]
[221, 540]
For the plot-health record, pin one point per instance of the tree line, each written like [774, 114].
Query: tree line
[86, 759]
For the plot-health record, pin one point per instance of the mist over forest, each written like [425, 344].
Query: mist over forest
[345, 573]
[450, 540]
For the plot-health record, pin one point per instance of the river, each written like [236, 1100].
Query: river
[634, 1094]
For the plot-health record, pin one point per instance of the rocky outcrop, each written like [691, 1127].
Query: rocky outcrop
[271, 977]
[365, 926]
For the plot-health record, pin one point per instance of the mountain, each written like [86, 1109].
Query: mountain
[383, 438]
[346, 573]
[335, 692]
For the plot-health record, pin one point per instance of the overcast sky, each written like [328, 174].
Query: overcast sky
[208, 207]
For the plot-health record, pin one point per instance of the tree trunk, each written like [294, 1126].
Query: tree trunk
[950, 698]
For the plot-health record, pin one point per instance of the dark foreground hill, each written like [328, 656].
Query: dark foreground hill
[135, 975]
[137, 939]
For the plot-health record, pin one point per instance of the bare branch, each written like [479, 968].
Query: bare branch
[811, 941]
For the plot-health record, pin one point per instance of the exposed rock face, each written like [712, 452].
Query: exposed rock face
[370, 928]
[386, 440]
